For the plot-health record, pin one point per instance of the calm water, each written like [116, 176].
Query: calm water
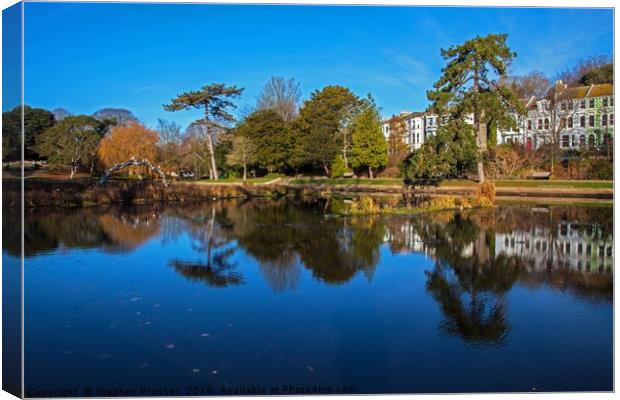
[240, 295]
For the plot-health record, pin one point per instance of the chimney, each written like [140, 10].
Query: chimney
[560, 85]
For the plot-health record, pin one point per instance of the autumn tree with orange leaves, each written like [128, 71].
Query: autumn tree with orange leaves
[126, 142]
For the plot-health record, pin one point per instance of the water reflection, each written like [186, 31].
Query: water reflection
[478, 256]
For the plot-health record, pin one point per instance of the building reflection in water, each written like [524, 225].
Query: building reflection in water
[477, 256]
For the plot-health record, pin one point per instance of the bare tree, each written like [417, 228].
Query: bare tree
[169, 142]
[572, 76]
[243, 152]
[554, 116]
[280, 95]
[525, 86]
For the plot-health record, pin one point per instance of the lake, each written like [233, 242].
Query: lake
[250, 297]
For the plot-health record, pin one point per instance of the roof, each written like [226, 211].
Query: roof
[581, 92]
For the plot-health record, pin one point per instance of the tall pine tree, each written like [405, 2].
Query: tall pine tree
[214, 99]
[469, 85]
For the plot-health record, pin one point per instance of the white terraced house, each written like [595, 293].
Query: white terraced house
[418, 126]
[574, 117]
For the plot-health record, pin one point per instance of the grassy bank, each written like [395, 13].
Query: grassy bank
[514, 183]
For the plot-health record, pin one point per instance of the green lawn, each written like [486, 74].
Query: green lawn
[462, 182]
[538, 183]
[345, 181]
[224, 181]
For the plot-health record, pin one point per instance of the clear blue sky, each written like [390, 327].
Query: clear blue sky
[138, 56]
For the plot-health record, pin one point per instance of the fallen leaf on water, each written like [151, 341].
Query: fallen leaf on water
[214, 372]
[205, 334]
[310, 368]
[170, 346]
[195, 370]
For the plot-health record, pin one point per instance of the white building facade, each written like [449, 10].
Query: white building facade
[417, 127]
[576, 118]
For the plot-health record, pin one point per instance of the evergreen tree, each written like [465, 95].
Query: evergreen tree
[271, 137]
[214, 99]
[451, 153]
[73, 141]
[369, 148]
[317, 130]
[36, 121]
[468, 85]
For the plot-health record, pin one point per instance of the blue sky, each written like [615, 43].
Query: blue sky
[138, 56]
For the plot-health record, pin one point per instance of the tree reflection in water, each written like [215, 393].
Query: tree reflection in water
[478, 256]
[207, 232]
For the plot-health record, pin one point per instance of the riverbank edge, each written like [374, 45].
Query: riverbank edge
[39, 193]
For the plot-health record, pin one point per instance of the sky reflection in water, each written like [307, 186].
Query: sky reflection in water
[227, 294]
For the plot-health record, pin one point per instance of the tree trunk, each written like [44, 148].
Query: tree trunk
[370, 173]
[326, 169]
[245, 172]
[480, 129]
[73, 169]
[210, 145]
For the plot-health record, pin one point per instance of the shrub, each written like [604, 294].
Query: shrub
[601, 169]
[338, 167]
[485, 193]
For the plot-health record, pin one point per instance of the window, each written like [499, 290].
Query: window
[591, 120]
[591, 103]
[564, 105]
[546, 123]
[563, 122]
[540, 124]
[570, 122]
[582, 121]
[529, 124]
[565, 141]
[582, 104]
[582, 141]
[611, 119]
[611, 101]
[605, 102]
[604, 121]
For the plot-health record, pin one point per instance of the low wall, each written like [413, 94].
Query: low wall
[86, 191]
[39, 193]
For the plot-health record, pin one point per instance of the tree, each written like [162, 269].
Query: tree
[369, 148]
[555, 111]
[214, 99]
[451, 153]
[598, 75]
[61, 113]
[525, 86]
[468, 86]
[115, 116]
[281, 96]
[318, 136]
[72, 141]
[271, 137]
[132, 141]
[243, 152]
[36, 121]
[397, 136]
[572, 76]
[169, 142]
